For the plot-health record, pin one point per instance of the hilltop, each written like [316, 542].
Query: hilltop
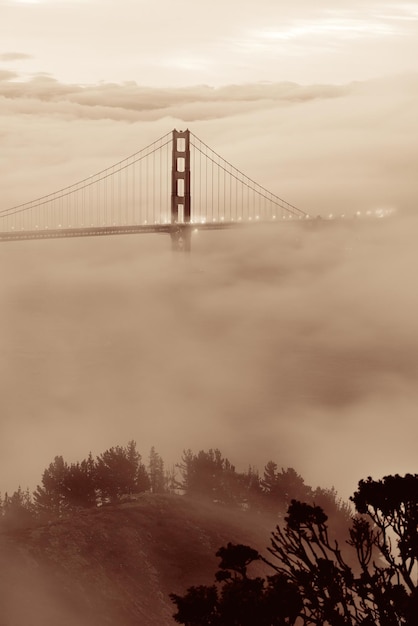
[116, 564]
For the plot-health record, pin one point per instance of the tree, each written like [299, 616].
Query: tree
[171, 484]
[237, 599]
[66, 488]
[119, 471]
[269, 480]
[79, 485]
[312, 583]
[392, 506]
[282, 487]
[156, 472]
[49, 498]
[18, 509]
[210, 475]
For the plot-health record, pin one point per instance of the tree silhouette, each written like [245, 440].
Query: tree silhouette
[18, 509]
[284, 486]
[79, 485]
[312, 583]
[392, 506]
[119, 471]
[156, 472]
[209, 475]
[49, 498]
[239, 600]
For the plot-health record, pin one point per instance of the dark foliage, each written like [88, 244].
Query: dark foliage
[116, 473]
[119, 471]
[238, 600]
[312, 583]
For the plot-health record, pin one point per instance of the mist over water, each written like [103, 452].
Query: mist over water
[296, 345]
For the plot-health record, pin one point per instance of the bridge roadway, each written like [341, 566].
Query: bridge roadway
[100, 231]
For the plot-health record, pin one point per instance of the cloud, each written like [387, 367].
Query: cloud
[14, 56]
[6, 75]
[219, 43]
[130, 102]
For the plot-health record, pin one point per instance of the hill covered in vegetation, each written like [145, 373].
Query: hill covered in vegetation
[108, 539]
[117, 564]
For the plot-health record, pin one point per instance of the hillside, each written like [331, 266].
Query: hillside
[117, 564]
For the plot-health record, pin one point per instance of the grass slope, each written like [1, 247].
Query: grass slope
[116, 565]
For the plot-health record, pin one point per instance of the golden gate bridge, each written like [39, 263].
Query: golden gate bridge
[173, 185]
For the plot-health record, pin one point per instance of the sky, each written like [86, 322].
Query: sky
[166, 43]
[300, 350]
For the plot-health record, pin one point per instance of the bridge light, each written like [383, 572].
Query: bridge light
[274, 217]
[257, 217]
[330, 216]
[239, 219]
[222, 218]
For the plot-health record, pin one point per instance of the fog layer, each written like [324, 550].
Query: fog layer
[297, 345]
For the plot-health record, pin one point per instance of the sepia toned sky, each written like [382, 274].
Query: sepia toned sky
[297, 350]
[165, 43]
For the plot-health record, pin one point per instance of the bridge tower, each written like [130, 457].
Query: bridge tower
[180, 191]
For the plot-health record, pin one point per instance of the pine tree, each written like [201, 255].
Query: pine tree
[18, 509]
[156, 472]
[282, 487]
[119, 472]
[210, 475]
[49, 498]
[79, 486]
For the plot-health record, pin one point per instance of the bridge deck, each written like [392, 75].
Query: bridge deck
[100, 231]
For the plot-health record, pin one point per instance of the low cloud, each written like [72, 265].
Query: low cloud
[292, 345]
[14, 56]
[130, 102]
[6, 75]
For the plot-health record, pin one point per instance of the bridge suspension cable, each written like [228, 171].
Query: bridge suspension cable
[138, 192]
[235, 196]
[104, 198]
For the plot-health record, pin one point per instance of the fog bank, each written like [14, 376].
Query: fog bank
[296, 345]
